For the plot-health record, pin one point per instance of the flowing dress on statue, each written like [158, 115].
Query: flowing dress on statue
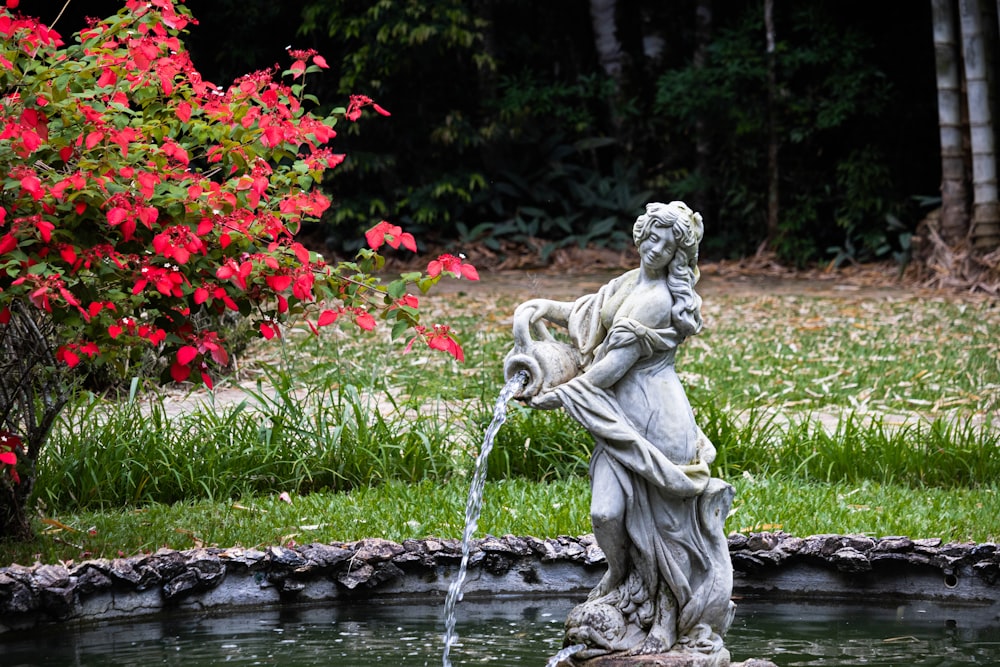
[677, 581]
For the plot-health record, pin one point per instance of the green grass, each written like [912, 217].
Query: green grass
[398, 510]
[803, 396]
[869, 508]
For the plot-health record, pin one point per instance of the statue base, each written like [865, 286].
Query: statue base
[676, 659]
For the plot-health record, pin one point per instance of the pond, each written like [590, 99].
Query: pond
[502, 631]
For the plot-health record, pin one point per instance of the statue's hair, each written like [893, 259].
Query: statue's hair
[682, 271]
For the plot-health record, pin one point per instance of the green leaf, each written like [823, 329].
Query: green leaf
[397, 289]
[400, 328]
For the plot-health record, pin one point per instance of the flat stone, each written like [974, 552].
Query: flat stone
[377, 549]
[517, 545]
[894, 544]
[493, 544]
[91, 579]
[15, 595]
[791, 545]
[251, 559]
[763, 541]
[324, 557]
[738, 541]
[593, 555]
[179, 585]
[356, 576]
[289, 558]
[851, 560]
[51, 576]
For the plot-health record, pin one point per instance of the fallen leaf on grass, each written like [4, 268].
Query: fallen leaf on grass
[237, 506]
[60, 525]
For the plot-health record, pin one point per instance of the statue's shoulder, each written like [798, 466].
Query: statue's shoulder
[628, 278]
[650, 306]
[653, 317]
[617, 289]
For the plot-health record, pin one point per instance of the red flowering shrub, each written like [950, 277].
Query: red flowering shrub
[138, 197]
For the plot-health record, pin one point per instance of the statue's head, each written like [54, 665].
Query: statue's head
[682, 271]
[686, 225]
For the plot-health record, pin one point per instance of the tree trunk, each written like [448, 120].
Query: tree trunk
[773, 172]
[954, 190]
[976, 47]
[610, 54]
[704, 201]
[34, 388]
[609, 47]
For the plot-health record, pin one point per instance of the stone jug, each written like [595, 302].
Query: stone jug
[547, 361]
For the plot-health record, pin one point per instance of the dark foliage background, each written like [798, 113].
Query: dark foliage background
[505, 130]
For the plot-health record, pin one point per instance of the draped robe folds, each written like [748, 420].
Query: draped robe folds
[677, 582]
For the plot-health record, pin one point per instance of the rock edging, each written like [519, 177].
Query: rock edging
[769, 564]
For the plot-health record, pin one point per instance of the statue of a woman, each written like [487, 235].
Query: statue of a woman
[657, 513]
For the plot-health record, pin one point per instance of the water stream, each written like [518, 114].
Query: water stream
[474, 506]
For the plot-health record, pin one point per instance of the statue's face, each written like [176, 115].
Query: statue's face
[657, 249]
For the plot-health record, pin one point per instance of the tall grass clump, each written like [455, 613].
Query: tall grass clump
[938, 453]
[321, 437]
[539, 445]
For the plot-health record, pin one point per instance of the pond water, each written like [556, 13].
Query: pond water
[514, 631]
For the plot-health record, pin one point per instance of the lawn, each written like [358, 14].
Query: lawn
[856, 411]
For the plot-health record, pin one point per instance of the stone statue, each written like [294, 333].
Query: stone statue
[657, 513]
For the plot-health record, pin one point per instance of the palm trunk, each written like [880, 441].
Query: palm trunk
[985, 228]
[954, 189]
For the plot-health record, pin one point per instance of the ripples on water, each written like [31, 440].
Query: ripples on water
[512, 631]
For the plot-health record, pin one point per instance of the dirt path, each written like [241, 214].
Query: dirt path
[718, 280]
[569, 286]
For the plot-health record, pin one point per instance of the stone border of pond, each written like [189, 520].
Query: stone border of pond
[767, 565]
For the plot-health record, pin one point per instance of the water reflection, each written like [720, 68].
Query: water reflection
[512, 631]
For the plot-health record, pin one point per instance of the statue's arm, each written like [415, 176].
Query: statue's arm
[532, 311]
[603, 374]
[530, 317]
[613, 366]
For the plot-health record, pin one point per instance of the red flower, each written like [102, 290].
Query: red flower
[9, 445]
[269, 329]
[393, 235]
[453, 265]
[357, 103]
[364, 320]
[439, 338]
[68, 353]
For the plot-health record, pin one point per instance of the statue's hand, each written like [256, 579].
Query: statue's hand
[530, 311]
[526, 317]
[546, 401]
